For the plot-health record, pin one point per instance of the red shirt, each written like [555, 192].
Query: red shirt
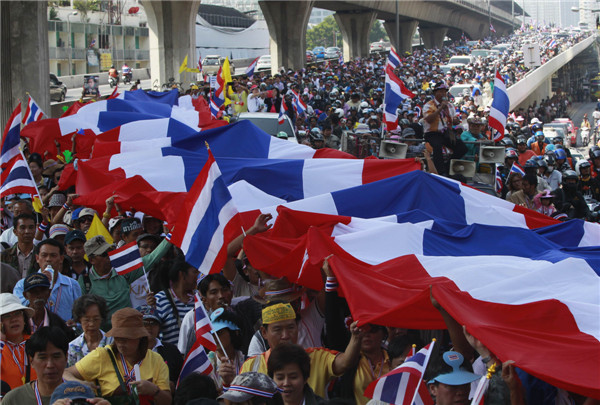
[525, 156]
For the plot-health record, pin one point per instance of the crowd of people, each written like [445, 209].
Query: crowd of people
[74, 329]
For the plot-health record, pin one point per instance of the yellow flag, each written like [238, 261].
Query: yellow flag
[226, 75]
[37, 204]
[98, 228]
[183, 66]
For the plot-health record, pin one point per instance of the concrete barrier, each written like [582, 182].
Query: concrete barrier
[76, 81]
[537, 85]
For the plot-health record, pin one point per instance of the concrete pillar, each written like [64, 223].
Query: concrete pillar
[287, 21]
[172, 26]
[23, 55]
[355, 27]
[433, 37]
[407, 30]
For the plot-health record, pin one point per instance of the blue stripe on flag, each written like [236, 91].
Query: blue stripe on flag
[210, 222]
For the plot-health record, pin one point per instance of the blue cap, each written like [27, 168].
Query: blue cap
[457, 376]
[71, 390]
[75, 234]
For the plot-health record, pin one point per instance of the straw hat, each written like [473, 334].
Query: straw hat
[127, 323]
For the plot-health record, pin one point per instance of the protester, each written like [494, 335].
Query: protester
[130, 348]
[47, 351]
[90, 311]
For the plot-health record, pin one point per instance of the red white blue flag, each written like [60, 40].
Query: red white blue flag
[395, 94]
[33, 112]
[126, 258]
[197, 361]
[208, 220]
[282, 110]
[516, 168]
[499, 183]
[200, 63]
[16, 178]
[298, 104]
[393, 59]
[251, 68]
[219, 98]
[11, 138]
[214, 108]
[401, 386]
[341, 59]
[499, 108]
[492, 29]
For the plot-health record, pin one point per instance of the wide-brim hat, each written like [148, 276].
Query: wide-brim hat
[278, 290]
[11, 303]
[51, 166]
[127, 323]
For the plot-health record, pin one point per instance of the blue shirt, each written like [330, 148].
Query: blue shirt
[64, 293]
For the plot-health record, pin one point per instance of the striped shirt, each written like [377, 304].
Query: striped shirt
[169, 322]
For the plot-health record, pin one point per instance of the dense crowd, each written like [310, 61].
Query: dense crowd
[73, 328]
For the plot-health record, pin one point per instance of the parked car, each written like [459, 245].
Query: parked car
[377, 46]
[264, 63]
[333, 53]
[459, 91]
[319, 52]
[212, 63]
[310, 56]
[58, 91]
[269, 122]
[464, 59]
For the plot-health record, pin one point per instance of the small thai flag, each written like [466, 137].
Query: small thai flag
[250, 69]
[16, 178]
[203, 325]
[395, 94]
[93, 43]
[11, 138]
[492, 28]
[499, 108]
[214, 109]
[499, 184]
[516, 168]
[393, 59]
[404, 385]
[126, 258]
[282, 110]
[341, 59]
[552, 44]
[33, 112]
[200, 63]
[298, 104]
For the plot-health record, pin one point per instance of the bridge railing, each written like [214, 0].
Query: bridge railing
[520, 91]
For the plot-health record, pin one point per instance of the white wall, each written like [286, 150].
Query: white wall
[249, 43]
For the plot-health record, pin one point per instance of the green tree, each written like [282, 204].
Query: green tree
[85, 6]
[324, 34]
[378, 33]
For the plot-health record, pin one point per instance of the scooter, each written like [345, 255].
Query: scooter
[113, 81]
[127, 77]
[585, 136]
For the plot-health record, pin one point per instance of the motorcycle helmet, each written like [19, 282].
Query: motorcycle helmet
[592, 150]
[582, 165]
[511, 154]
[535, 128]
[560, 154]
[282, 135]
[570, 180]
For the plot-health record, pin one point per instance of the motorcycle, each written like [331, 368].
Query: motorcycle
[113, 81]
[585, 136]
[127, 77]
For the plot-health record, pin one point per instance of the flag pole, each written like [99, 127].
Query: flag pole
[220, 344]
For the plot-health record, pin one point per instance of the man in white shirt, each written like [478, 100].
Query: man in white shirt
[255, 101]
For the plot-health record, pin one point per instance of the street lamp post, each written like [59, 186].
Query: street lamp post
[70, 41]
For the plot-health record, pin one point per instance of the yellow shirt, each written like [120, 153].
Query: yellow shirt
[97, 365]
[365, 374]
[321, 367]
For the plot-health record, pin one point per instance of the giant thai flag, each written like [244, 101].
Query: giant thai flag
[11, 138]
[208, 221]
[16, 178]
[126, 258]
[401, 385]
[298, 104]
[499, 108]
[250, 70]
[393, 59]
[33, 112]
[395, 94]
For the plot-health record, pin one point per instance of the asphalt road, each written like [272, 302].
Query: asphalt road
[576, 114]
